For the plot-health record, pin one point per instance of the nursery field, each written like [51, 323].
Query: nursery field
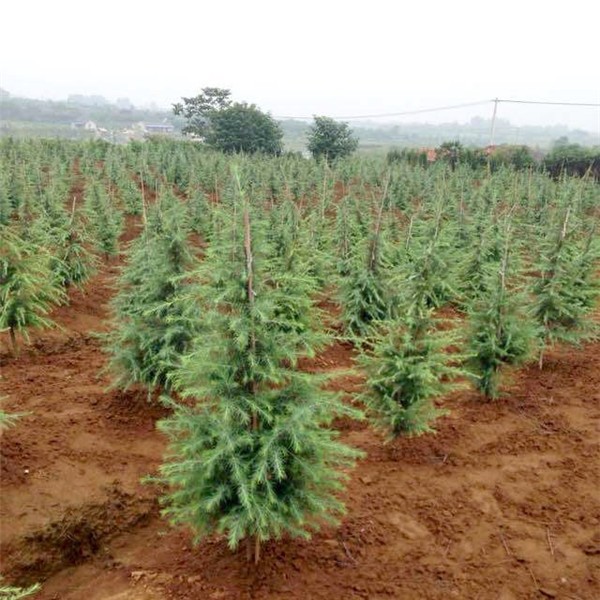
[412, 350]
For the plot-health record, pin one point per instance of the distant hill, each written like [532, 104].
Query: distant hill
[23, 117]
[382, 136]
[26, 117]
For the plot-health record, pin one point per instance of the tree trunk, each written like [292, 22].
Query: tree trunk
[374, 250]
[253, 549]
[252, 385]
[13, 342]
[248, 549]
[256, 549]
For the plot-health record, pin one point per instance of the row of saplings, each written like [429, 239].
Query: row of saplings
[46, 248]
[253, 455]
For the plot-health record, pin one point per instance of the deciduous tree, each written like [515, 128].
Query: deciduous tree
[330, 139]
[197, 110]
[244, 128]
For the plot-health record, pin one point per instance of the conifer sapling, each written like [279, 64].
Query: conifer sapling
[255, 458]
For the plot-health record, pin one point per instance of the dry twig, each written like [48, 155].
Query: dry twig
[550, 544]
[348, 553]
[508, 552]
[535, 581]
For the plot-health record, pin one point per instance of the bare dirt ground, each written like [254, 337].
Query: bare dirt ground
[502, 503]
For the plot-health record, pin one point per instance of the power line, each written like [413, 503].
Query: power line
[397, 114]
[595, 105]
[497, 101]
[443, 108]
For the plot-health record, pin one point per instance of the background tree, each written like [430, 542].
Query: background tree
[229, 127]
[153, 321]
[365, 292]
[565, 294]
[425, 269]
[408, 364]
[407, 369]
[243, 127]
[451, 152]
[104, 219]
[572, 159]
[65, 237]
[75, 264]
[502, 330]
[330, 139]
[198, 109]
[28, 287]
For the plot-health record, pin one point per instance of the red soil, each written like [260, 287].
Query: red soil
[501, 503]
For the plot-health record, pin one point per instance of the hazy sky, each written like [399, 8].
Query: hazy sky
[323, 57]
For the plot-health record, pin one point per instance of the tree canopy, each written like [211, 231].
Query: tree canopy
[244, 128]
[229, 127]
[197, 110]
[330, 139]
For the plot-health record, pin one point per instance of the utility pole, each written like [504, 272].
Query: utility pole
[493, 131]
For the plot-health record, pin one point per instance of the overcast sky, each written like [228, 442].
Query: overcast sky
[314, 56]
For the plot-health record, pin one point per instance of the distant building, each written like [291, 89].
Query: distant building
[430, 153]
[159, 128]
[86, 125]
